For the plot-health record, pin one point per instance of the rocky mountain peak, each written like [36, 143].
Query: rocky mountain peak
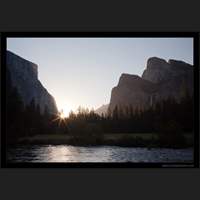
[127, 79]
[102, 109]
[159, 80]
[24, 76]
[155, 63]
[179, 65]
[25, 67]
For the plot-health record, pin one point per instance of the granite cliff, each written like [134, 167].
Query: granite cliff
[160, 80]
[24, 76]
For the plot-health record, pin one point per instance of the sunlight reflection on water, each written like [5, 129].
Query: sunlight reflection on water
[66, 153]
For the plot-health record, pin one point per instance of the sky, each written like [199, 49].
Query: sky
[83, 71]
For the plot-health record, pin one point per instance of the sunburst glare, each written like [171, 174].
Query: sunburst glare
[60, 117]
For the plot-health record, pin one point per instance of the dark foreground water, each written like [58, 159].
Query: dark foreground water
[66, 153]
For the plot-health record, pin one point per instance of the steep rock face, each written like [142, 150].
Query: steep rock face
[132, 90]
[24, 76]
[159, 80]
[172, 76]
[158, 70]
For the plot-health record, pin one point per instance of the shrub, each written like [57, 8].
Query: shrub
[170, 134]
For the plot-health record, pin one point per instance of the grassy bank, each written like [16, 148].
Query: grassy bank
[121, 139]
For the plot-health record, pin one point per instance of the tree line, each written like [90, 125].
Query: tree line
[160, 116]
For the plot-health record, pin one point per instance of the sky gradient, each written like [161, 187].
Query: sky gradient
[83, 71]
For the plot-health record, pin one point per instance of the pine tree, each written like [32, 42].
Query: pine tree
[14, 111]
[115, 114]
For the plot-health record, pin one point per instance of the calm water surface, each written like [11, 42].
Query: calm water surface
[67, 153]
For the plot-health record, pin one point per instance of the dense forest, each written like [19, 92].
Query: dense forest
[165, 117]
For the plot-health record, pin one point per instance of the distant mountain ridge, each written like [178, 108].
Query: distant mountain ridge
[102, 110]
[24, 76]
[160, 80]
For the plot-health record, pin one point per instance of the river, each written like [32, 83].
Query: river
[67, 153]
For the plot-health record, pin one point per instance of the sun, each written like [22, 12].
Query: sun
[65, 112]
[60, 118]
[63, 115]
[65, 108]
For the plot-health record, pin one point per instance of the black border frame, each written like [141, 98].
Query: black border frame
[194, 35]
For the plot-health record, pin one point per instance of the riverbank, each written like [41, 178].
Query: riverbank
[150, 140]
